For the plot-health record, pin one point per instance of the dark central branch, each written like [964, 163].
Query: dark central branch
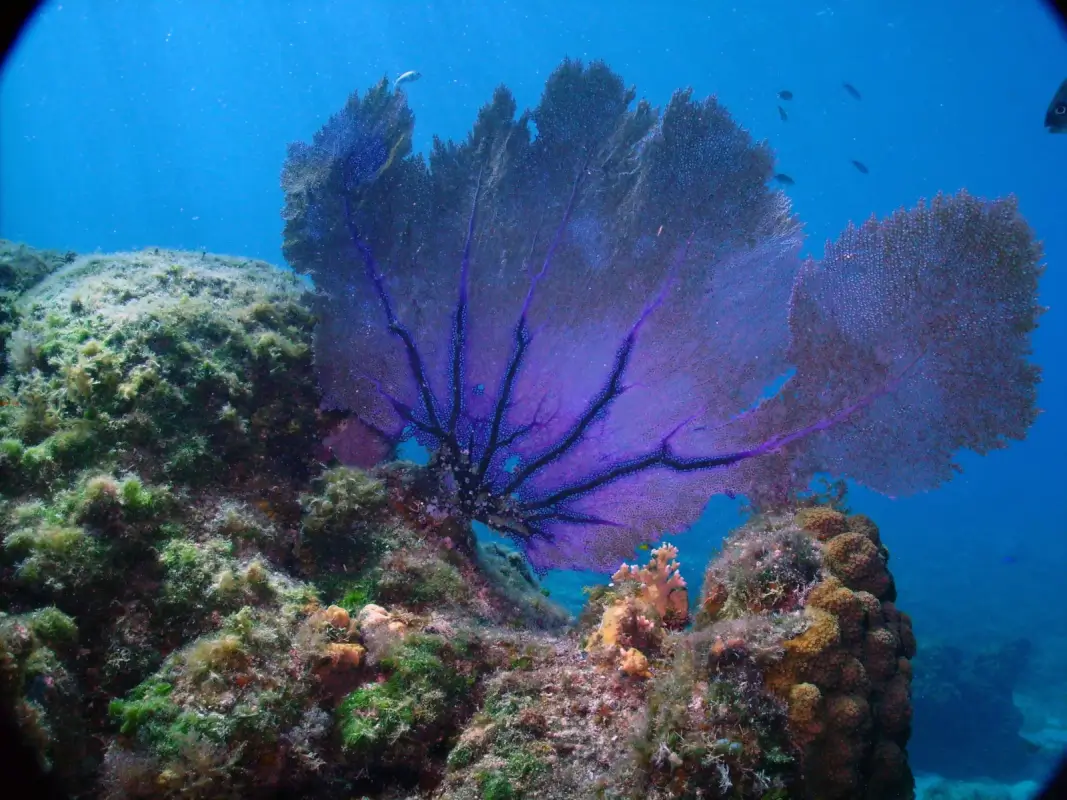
[522, 341]
[662, 457]
[611, 391]
[548, 507]
[459, 330]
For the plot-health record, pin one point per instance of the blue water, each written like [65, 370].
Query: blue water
[127, 124]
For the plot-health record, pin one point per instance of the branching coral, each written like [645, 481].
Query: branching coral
[647, 602]
[582, 325]
[660, 585]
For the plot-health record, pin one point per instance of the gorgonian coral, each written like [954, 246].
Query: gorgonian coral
[580, 312]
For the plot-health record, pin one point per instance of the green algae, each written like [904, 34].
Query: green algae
[182, 363]
[427, 677]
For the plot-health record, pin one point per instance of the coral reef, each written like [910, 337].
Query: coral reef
[643, 604]
[534, 309]
[342, 633]
[249, 628]
[198, 600]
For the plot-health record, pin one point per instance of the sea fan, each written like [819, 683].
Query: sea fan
[583, 312]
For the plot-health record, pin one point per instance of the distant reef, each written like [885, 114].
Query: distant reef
[198, 601]
[971, 727]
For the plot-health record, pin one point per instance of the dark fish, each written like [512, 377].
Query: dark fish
[783, 179]
[1030, 746]
[782, 114]
[785, 94]
[1056, 116]
[860, 166]
[852, 90]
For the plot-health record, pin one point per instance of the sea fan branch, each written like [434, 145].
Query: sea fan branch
[429, 402]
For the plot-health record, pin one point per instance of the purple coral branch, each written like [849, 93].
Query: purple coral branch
[556, 238]
[414, 359]
[521, 343]
[778, 442]
[612, 389]
[459, 331]
[662, 457]
[571, 517]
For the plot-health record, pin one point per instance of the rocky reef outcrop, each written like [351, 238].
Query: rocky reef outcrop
[198, 601]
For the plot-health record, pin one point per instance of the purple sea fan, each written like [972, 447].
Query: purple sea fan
[581, 324]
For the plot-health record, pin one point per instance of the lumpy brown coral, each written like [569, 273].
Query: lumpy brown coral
[823, 521]
[845, 677]
[858, 563]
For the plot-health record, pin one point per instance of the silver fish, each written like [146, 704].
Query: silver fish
[408, 77]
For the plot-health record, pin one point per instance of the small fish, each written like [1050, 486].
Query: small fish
[852, 90]
[643, 547]
[408, 77]
[1030, 746]
[785, 94]
[860, 166]
[783, 179]
[1056, 116]
[782, 114]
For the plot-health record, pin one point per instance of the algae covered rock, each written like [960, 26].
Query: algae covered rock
[38, 687]
[191, 367]
[20, 268]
